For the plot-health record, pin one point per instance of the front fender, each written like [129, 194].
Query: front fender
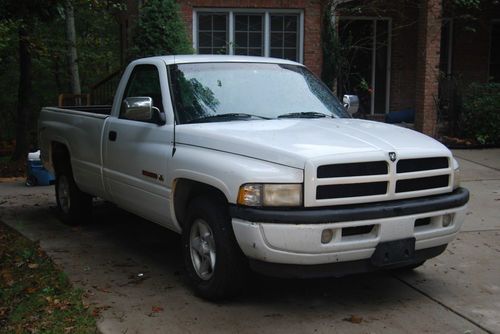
[227, 171]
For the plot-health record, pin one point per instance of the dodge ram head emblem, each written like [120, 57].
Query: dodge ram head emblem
[392, 156]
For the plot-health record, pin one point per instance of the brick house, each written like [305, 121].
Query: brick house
[406, 52]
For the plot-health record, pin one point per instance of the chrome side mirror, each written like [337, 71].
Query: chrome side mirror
[351, 103]
[138, 108]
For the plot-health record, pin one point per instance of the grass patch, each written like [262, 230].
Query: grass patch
[35, 296]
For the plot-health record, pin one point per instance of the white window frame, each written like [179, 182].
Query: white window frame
[267, 26]
[389, 57]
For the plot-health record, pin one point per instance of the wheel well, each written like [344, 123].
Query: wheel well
[60, 156]
[185, 190]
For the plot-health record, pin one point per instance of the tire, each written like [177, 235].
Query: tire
[208, 237]
[74, 206]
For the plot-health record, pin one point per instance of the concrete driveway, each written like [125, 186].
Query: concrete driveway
[133, 272]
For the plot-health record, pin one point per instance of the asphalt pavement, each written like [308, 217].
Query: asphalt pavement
[131, 270]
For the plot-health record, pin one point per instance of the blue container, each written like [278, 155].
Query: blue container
[37, 174]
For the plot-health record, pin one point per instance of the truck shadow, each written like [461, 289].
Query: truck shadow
[160, 248]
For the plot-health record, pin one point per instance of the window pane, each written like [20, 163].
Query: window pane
[205, 39]
[205, 22]
[240, 51]
[241, 22]
[205, 51]
[255, 52]
[495, 52]
[248, 34]
[240, 39]
[212, 33]
[144, 81]
[219, 39]
[255, 23]
[220, 22]
[284, 36]
[290, 54]
[255, 40]
[276, 22]
[380, 88]
[291, 23]
[290, 40]
[276, 39]
[277, 53]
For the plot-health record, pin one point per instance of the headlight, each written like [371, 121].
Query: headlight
[456, 175]
[257, 194]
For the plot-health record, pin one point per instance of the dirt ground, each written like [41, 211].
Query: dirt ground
[132, 270]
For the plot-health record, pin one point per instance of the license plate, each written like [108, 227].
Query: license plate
[395, 252]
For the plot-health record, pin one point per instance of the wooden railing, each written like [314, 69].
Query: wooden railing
[103, 92]
[73, 100]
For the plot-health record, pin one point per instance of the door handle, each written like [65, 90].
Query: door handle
[112, 135]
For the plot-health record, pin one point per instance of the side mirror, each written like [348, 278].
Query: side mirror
[138, 108]
[351, 103]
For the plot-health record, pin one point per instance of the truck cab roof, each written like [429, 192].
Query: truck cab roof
[185, 59]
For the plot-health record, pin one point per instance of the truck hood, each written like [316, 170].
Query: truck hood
[292, 142]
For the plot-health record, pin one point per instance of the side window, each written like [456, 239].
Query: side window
[144, 81]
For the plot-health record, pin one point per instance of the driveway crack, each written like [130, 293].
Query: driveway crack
[461, 315]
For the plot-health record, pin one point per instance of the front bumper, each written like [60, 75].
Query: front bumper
[293, 237]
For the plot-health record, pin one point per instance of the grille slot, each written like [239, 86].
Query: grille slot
[357, 230]
[351, 190]
[353, 169]
[417, 165]
[422, 221]
[422, 183]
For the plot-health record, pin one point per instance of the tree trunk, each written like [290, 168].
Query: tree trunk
[25, 94]
[72, 54]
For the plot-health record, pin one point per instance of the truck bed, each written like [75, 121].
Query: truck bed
[95, 109]
[80, 130]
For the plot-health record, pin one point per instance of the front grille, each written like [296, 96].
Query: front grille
[353, 169]
[422, 183]
[376, 180]
[351, 190]
[417, 165]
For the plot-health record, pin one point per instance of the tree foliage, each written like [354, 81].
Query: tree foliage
[160, 30]
[98, 47]
[481, 114]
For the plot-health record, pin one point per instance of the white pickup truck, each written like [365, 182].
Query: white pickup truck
[258, 165]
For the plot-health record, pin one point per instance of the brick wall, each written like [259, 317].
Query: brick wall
[403, 59]
[427, 78]
[312, 21]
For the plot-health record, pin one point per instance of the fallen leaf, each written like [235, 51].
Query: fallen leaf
[30, 290]
[3, 311]
[157, 309]
[355, 319]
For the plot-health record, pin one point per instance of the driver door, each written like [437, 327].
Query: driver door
[136, 153]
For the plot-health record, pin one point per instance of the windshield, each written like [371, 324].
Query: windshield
[218, 92]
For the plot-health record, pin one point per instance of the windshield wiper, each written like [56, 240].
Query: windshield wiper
[225, 117]
[308, 114]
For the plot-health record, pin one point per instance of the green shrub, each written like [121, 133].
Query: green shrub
[481, 113]
[160, 30]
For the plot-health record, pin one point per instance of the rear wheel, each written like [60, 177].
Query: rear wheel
[215, 264]
[74, 206]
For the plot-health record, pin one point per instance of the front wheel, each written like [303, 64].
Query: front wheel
[214, 262]
[74, 206]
